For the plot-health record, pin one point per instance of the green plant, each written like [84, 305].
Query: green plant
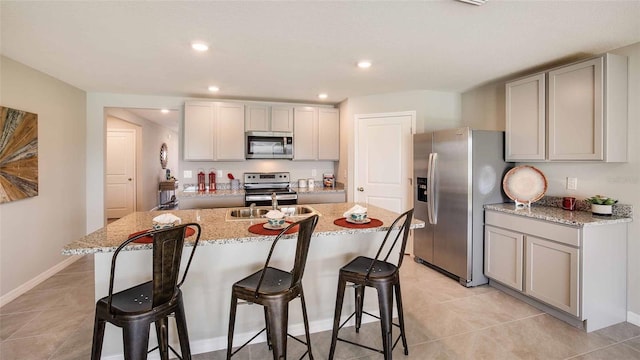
[601, 200]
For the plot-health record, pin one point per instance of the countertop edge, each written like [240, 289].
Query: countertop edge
[558, 215]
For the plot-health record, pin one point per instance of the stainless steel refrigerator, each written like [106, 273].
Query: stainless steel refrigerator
[456, 172]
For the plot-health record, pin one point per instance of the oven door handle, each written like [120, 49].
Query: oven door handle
[268, 197]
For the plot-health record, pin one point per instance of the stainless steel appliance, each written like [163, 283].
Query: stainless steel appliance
[457, 172]
[259, 188]
[269, 145]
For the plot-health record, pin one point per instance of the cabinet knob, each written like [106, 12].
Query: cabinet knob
[129, 179]
[360, 189]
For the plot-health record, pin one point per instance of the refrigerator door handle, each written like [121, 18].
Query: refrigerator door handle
[431, 175]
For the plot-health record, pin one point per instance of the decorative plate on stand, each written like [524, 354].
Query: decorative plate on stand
[524, 184]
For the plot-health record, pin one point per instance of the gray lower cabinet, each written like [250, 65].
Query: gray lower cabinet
[575, 273]
[321, 197]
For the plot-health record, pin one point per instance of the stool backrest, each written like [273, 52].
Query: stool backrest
[404, 221]
[167, 253]
[305, 230]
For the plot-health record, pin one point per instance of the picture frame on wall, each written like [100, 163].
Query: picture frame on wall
[18, 154]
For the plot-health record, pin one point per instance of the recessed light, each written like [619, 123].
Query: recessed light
[199, 46]
[364, 64]
[323, 96]
[164, 111]
[214, 88]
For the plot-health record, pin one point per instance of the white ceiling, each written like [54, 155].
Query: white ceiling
[291, 51]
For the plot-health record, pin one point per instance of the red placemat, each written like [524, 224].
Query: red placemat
[344, 223]
[149, 239]
[260, 230]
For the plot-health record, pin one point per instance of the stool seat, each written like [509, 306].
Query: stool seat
[360, 266]
[379, 273]
[275, 282]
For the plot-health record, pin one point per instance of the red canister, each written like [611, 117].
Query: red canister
[212, 179]
[201, 184]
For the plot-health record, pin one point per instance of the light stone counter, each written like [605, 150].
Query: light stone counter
[215, 230]
[559, 215]
[228, 253]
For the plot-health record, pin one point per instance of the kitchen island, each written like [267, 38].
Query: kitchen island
[227, 253]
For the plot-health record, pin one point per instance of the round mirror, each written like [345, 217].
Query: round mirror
[163, 155]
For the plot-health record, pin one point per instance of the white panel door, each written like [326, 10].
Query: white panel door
[503, 255]
[120, 170]
[384, 160]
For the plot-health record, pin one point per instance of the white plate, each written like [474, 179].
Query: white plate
[365, 221]
[269, 227]
[524, 184]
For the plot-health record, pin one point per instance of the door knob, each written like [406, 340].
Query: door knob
[360, 188]
[129, 179]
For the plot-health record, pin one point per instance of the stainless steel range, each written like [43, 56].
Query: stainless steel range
[260, 187]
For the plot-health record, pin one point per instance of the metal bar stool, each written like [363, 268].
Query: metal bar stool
[385, 278]
[135, 308]
[274, 289]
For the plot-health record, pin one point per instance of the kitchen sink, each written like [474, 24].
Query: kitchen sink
[247, 213]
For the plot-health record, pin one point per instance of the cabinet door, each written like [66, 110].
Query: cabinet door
[525, 119]
[576, 112]
[503, 255]
[256, 118]
[198, 131]
[551, 274]
[282, 118]
[305, 139]
[229, 131]
[328, 134]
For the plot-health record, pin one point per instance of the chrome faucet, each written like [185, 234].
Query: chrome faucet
[274, 201]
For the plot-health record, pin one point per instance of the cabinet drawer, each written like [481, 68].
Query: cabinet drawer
[540, 228]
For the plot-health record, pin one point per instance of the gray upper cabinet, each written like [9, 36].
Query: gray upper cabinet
[586, 113]
[316, 133]
[268, 118]
[525, 119]
[213, 131]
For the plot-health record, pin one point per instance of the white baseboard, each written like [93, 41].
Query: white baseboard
[633, 318]
[219, 343]
[13, 294]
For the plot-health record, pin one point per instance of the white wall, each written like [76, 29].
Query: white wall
[33, 231]
[484, 108]
[150, 137]
[435, 110]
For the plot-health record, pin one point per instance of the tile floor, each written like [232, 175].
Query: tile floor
[444, 320]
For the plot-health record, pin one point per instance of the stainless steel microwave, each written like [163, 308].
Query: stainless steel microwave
[269, 145]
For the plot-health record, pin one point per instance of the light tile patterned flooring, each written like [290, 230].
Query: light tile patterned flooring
[444, 320]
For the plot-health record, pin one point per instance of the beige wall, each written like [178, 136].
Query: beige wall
[484, 108]
[33, 231]
[435, 110]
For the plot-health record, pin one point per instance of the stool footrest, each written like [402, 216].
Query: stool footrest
[248, 341]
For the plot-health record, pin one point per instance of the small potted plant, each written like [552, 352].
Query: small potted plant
[601, 205]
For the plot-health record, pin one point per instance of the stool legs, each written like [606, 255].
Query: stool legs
[359, 293]
[232, 322]
[401, 317]
[305, 318]
[336, 318]
[98, 337]
[135, 336]
[162, 333]
[385, 302]
[183, 334]
[278, 314]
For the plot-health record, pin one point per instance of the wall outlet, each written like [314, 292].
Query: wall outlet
[572, 183]
[188, 174]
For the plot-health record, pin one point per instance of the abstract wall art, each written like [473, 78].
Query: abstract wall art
[18, 154]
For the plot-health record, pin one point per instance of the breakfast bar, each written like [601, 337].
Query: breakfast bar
[227, 252]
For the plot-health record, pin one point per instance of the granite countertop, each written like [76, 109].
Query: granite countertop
[223, 190]
[216, 230]
[561, 216]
